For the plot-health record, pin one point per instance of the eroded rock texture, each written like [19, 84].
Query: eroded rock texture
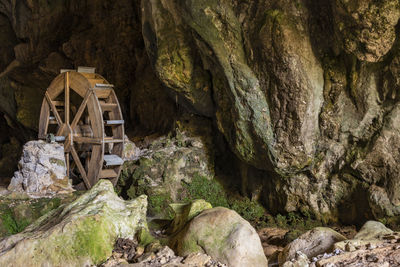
[304, 92]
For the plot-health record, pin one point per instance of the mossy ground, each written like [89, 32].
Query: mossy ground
[17, 214]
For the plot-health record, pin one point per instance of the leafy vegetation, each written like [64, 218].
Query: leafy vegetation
[11, 224]
[213, 192]
[209, 190]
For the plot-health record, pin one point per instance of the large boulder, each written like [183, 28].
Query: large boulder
[372, 230]
[81, 233]
[222, 234]
[312, 243]
[42, 170]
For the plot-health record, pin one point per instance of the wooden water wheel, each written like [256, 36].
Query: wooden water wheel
[81, 110]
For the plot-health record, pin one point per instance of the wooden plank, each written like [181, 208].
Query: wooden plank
[93, 82]
[66, 110]
[113, 160]
[89, 75]
[102, 93]
[58, 103]
[80, 167]
[67, 162]
[66, 70]
[108, 106]
[81, 109]
[107, 173]
[110, 140]
[86, 69]
[113, 122]
[53, 109]
[103, 85]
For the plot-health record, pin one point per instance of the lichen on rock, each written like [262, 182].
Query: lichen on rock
[76, 234]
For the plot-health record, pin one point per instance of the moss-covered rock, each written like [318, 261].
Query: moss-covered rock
[222, 234]
[76, 234]
[164, 169]
[184, 212]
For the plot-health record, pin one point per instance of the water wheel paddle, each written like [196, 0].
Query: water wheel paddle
[81, 110]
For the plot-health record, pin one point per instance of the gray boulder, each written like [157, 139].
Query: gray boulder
[224, 235]
[312, 243]
[372, 230]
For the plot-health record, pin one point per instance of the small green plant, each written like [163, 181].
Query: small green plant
[159, 205]
[249, 210]
[281, 221]
[209, 190]
[12, 225]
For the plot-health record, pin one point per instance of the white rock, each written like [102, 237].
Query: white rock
[42, 170]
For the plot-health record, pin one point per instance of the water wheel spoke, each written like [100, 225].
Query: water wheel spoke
[53, 109]
[66, 99]
[67, 162]
[81, 169]
[81, 109]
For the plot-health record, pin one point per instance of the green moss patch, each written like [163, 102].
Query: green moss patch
[17, 214]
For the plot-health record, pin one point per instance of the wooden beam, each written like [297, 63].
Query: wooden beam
[87, 140]
[66, 105]
[81, 109]
[80, 167]
[53, 109]
[102, 93]
[107, 173]
[108, 106]
[67, 162]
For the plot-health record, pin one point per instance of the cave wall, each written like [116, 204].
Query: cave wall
[304, 92]
[38, 38]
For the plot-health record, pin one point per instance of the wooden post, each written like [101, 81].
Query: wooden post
[66, 105]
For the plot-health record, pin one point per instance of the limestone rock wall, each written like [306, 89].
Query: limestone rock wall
[304, 92]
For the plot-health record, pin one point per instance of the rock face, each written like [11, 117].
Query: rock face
[165, 165]
[42, 170]
[81, 233]
[304, 92]
[224, 235]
